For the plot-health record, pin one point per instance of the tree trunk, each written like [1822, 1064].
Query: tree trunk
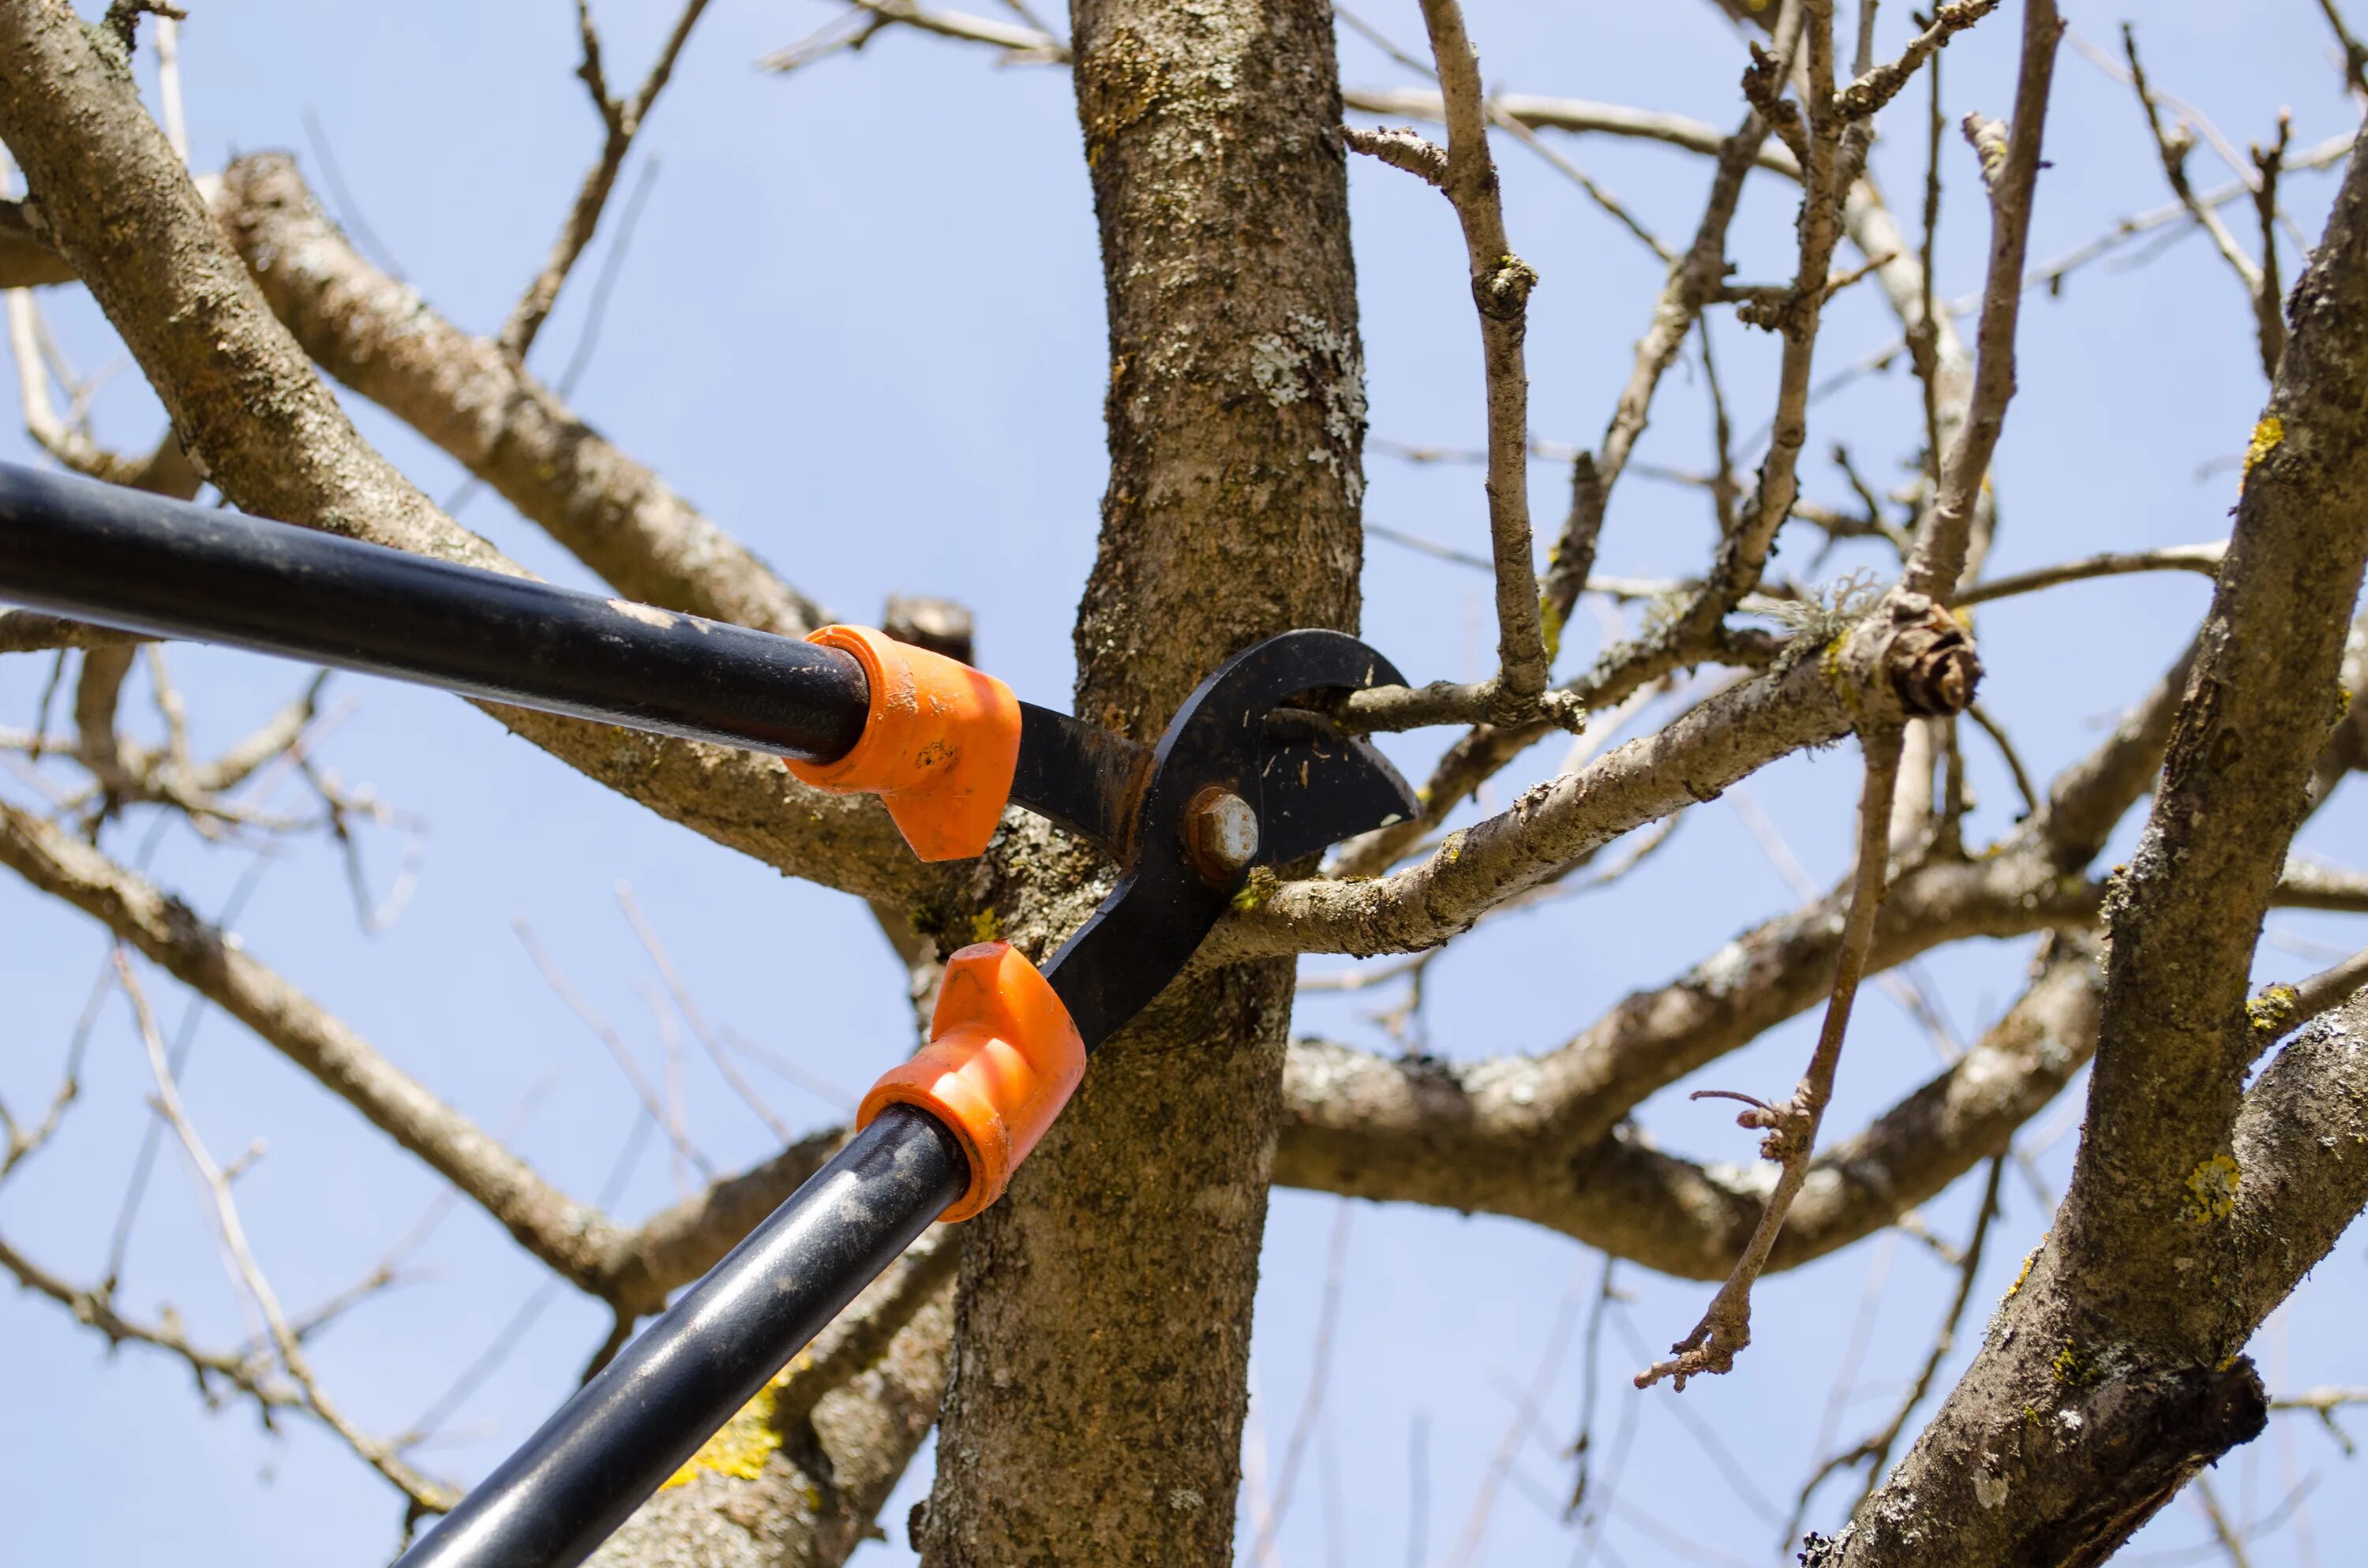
[1103, 1320]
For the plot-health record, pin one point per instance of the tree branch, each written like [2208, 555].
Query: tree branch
[1903, 657]
[1791, 1126]
[621, 121]
[1942, 544]
[271, 437]
[574, 1240]
[1501, 282]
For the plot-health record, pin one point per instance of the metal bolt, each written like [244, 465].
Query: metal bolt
[1224, 833]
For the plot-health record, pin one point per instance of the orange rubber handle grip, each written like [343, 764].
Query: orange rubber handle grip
[1003, 1059]
[939, 744]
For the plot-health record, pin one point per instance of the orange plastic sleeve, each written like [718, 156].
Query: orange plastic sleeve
[1003, 1059]
[939, 744]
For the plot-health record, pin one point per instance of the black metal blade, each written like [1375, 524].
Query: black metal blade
[1084, 779]
[1320, 786]
[1311, 784]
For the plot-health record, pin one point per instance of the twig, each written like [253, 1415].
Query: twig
[1791, 1127]
[618, 1050]
[621, 121]
[1582, 1448]
[1501, 282]
[1319, 1376]
[2355, 53]
[1874, 1452]
[1997, 735]
[1475, 1525]
[423, 1493]
[1879, 85]
[2231, 1541]
[2269, 295]
[688, 1007]
[2278, 1010]
[2204, 558]
[2173, 144]
[441, 1409]
[2010, 163]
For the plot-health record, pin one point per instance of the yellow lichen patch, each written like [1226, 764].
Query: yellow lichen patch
[2024, 1273]
[745, 1441]
[1550, 625]
[2266, 437]
[1452, 850]
[2273, 1011]
[986, 927]
[2071, 1369]
[1256, 891]
[2212, 1189]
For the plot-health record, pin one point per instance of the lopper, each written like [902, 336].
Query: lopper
[1244, 776]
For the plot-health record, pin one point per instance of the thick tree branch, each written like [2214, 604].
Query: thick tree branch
[270, 435]
[465, 394]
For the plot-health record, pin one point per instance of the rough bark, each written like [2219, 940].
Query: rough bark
[2116, 1369]
[1103, 1323]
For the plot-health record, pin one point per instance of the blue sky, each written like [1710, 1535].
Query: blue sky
[860, 323]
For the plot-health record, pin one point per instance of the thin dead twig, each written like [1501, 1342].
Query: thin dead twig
[1874, 1452]
[1791, 1127]
[1319, 1377]
[2204, 558]
[2355, 53]
[2011, 163]
[2173, 143]
[247, 1274]
[621, 120]
[602, 1029]
[688, 1006]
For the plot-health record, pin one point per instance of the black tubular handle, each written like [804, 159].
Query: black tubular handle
[562, 1494]
[102, 554]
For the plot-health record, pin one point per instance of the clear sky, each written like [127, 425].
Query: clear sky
[860, 323]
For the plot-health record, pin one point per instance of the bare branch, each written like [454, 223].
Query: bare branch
[2173, 144]
[1903, 656]
[1500, 288]
[1401, 149]
[1945, 539]
[1791, 1126]
[1878, 87]
[562, 1234]
[249, 1275]
[621, 121]
[2200, 558]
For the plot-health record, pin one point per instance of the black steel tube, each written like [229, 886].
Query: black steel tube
[572, 1483]
[103, 553]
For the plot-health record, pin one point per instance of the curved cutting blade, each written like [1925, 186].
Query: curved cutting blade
[1311, 785]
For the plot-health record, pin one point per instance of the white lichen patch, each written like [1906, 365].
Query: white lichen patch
[1990, 1491]
[1725, 969]
[1315, 362]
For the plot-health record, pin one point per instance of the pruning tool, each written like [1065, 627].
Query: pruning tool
[1249, 772]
